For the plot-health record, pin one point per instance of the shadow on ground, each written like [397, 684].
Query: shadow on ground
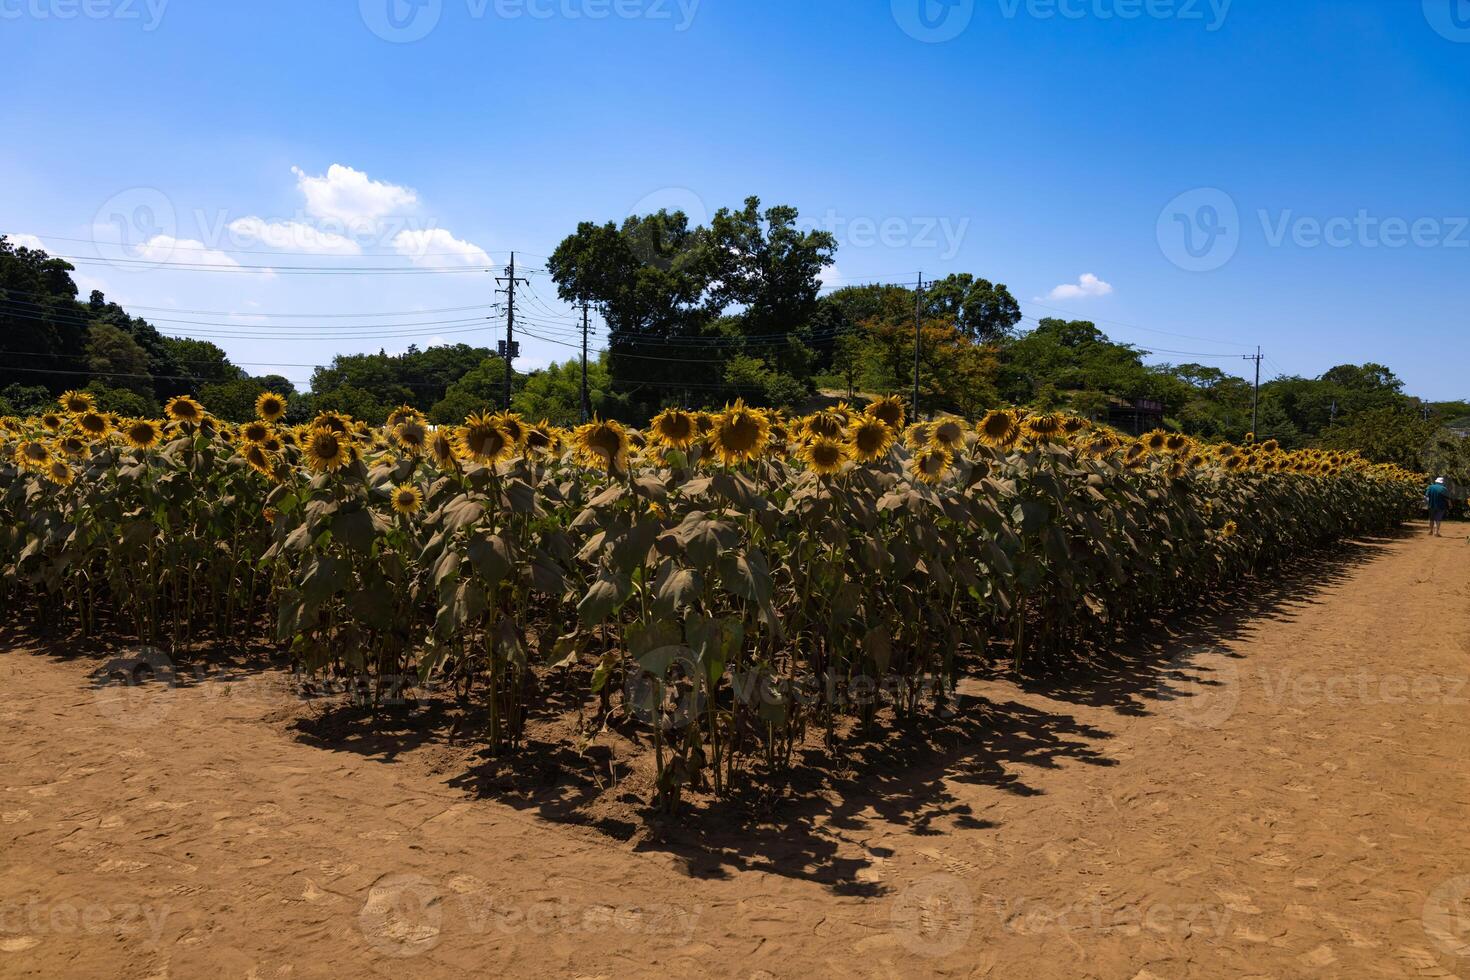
[812, 820]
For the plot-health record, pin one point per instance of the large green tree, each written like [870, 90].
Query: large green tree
[983, 311]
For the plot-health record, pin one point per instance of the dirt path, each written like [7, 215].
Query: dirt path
[1285, 794]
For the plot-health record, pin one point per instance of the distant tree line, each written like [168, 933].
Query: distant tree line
[698, 316]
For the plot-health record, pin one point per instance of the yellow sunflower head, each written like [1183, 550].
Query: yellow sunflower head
[407, 499]
[72, 447]
[932, 465]
[998, 429]
[1074, 424]
[888, 410]
[325, 451]
[270, 407]
[411, 434]
[332, 422]
[182, 408]
[402, 414]
[1270, 445]
[77, 402]
[1042, 428]
[441, 446]
[541, 439]
[870, 439]
[828, 424]
[94, 424]
[59, 471]
[32, 454]
[1177, 443]
[52, 421]
[482, 440]
[142, 433]
[1230, 530]
[740, 433]
[602, 444]
[948, 434]
[513, 426]
[675, 427]
[1156, 441]
[824, 456]
[916, 436]
[255, 432]
[259, 459]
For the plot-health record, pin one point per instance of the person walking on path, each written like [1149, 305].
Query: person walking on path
[1438, 498]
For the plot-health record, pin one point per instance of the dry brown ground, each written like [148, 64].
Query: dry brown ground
[1279, 788]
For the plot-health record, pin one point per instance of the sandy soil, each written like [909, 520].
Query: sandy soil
[1276, 787]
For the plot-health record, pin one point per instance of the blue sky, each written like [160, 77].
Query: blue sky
[1198, 176]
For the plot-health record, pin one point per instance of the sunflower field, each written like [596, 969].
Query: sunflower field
[736, 581]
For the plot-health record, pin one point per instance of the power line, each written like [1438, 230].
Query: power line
[242, 251]
[233, 267]
[1133, 326]
[6, 292]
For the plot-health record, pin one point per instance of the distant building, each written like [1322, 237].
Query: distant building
[1459, 428]
[1137, 416]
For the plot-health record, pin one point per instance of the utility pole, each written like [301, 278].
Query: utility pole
[1256, 397]
[508, 347]
[918, 315]
[586, 402]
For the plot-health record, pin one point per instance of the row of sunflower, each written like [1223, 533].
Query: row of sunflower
[734, 579]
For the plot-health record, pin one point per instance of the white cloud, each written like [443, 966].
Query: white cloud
[293, 236]
[350, 197]
[183, 251]
[1087, 286]
[829, 277]
[435, 246]
[26, 241]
